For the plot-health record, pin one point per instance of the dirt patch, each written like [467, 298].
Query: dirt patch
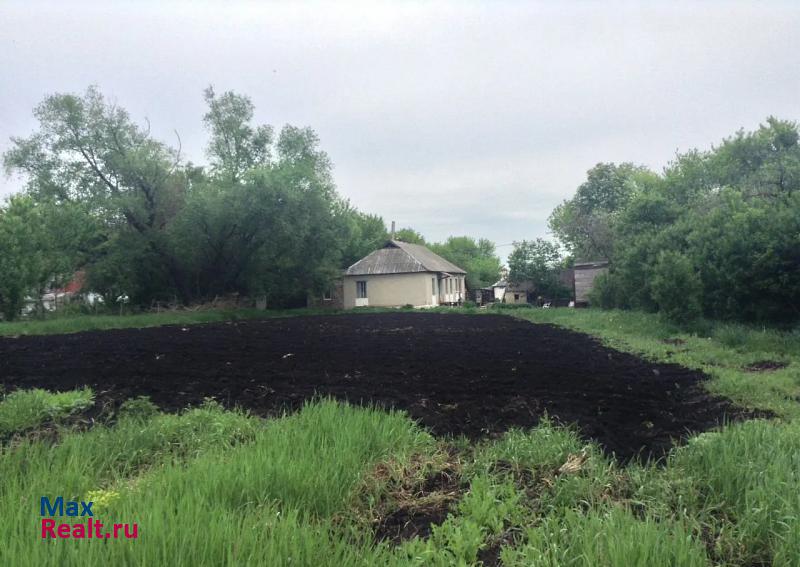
[457, 374]
[766, 366]
[407, 523]
[489, 556]
[674, 342]
[415, 496]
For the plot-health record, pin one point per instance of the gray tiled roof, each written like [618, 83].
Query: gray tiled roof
[398, 257]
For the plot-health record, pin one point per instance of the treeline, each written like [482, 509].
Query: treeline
[262, 218]
[717, 234]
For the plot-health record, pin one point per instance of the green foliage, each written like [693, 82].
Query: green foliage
[367, 233]
[512, 306]
[676, 287]
[537, 261]
[41, 244]
[235, 146]
[609, 538]
[477, 257]
[22, 410]
[409, 235]
[486, 511]
[138, 409]
[272, 489]
[754, 469]
[265, 218]
[546, 447]
[732, 214]
[585, 224]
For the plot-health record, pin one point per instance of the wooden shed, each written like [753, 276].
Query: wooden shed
[585, 273]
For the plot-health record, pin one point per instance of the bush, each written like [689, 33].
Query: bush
[138, 409]
[604, 292]
[26, 409]
[676, 288]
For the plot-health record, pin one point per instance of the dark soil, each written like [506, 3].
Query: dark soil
[766, 366]
[457, 374]
[428, 508]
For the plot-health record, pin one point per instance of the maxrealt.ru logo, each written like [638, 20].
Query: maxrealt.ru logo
[88, 529]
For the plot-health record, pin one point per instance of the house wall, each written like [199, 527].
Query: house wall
[499, 293]
[452, 289]
[584, 282]
[509, 297]
[392, 290]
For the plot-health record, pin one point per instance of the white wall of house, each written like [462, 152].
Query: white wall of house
[452, 289]
[391, 290]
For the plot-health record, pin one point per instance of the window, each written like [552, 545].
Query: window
[361, 290]
[516, 297]
[327, 296]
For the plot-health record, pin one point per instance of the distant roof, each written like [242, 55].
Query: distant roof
[398, 257]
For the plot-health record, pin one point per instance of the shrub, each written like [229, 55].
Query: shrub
[676, 288]
[26, 409]
[138, 409]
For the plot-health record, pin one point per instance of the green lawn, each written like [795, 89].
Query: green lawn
[215, 487]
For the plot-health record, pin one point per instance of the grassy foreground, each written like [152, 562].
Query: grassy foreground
[214, 487]
[325, 486]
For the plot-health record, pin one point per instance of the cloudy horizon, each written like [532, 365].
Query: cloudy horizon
[453, 119]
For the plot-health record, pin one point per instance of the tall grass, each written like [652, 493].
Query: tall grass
[609, 538]
[26, 409]
[742, 485]
[213, 500]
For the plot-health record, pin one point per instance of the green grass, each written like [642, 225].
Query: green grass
[26, 409]
[56, 324]
[612, 538]
[208, 487]
[215, 487]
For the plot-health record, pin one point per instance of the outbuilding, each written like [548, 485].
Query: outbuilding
[402, 274]
[585, 274]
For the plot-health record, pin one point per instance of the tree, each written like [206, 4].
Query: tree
[537, 261]
[676, 287]
[409, 235]
[717, 234]
[477, 257]
[365, 233]
[41, 245]
[585, 223]
[89, 152]
[265, 220]
[236, 146]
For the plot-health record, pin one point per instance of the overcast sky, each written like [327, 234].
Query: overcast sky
[462, 118]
